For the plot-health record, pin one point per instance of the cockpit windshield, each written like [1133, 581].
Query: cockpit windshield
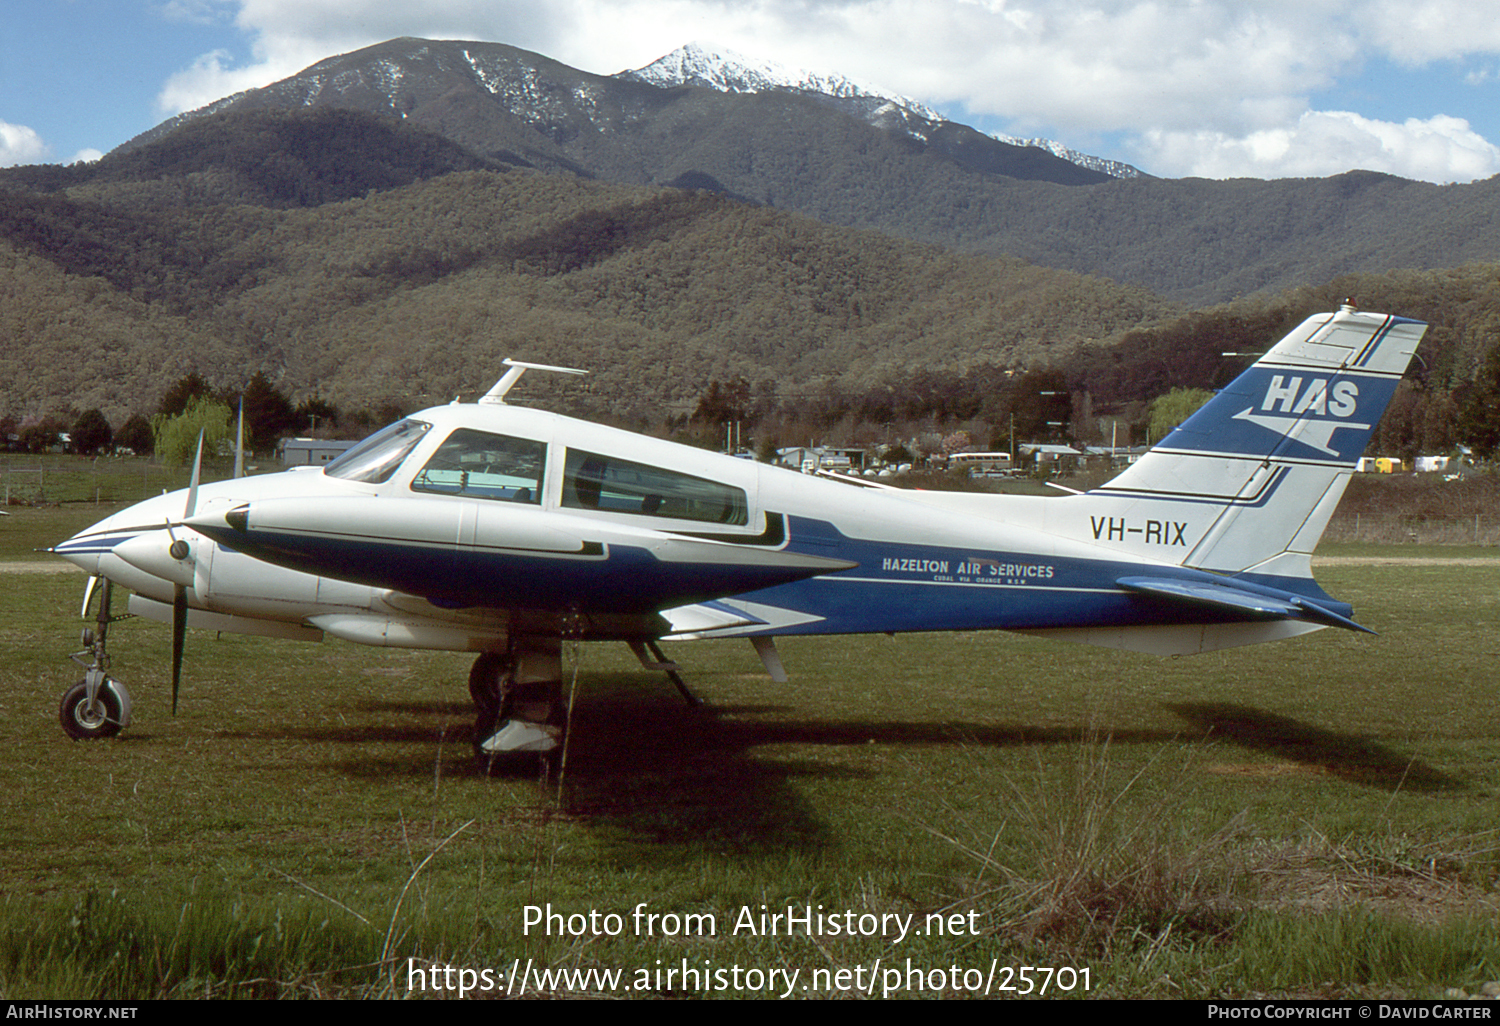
[376, 458]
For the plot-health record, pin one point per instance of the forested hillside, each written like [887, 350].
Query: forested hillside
[375, 267]
[241, 252]
[1194, 241]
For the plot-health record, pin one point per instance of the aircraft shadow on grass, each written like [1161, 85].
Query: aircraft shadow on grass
[1354, 758]
[647, 768]
[644, 764]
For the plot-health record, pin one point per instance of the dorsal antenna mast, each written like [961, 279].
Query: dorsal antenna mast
[496, 395]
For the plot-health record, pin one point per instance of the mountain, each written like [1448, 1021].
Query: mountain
[724, 71]
[1113, 168]
[709, 67]
[357, 259]
[520, 107]
[697, 64]
[849, 155]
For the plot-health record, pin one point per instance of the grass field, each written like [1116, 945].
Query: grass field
[1310, 818]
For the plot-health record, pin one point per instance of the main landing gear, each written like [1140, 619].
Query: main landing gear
[520, 709]
[518, 702]
[97, 706]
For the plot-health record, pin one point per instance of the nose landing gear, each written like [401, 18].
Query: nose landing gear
[97, 706]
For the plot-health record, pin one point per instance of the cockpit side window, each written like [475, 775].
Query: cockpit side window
[592, 481]
[479, 465]
[374, 460]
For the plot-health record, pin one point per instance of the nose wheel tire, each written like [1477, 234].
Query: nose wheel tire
[82, 723]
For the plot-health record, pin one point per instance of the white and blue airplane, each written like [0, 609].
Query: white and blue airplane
[503, 531]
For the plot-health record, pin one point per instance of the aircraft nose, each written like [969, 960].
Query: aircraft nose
[160, 554]
[87, 547]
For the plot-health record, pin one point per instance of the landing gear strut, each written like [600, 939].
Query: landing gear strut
[97, 706]
[518, 701]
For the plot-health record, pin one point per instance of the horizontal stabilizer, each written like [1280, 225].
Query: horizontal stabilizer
[1226, 598]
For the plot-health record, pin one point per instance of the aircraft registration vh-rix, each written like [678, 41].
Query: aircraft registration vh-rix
[505, 531]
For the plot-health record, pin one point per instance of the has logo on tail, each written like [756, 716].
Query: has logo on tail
[1307, 415]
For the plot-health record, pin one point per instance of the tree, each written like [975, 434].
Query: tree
[177, 437]
[315, 414]
[1041, 404]
[135, 435]
[958, 441]
[1175, 407]
[897, 453]
[268, 414]
[39, 436]
[723, 403]
[91, 434]
[1479, 417]
[187, 388]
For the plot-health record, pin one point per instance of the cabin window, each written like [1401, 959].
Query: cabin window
[592, 481]
[376, 458]
[479, 465]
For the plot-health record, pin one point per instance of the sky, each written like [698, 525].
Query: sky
[1209, 88]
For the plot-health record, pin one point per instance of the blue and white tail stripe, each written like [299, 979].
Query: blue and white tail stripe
[1274, 449]
[1292, 403]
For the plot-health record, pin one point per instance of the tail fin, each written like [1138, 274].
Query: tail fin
[1274, 450]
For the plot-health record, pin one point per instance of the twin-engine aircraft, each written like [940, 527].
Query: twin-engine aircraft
[503, 531]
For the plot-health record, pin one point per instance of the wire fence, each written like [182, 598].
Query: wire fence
[46, 481]
[1415, 528]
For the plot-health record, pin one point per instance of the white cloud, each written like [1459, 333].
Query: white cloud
[213, 77]
[1429, 30]
[1320, 143]
[21, 145]
[194, 12]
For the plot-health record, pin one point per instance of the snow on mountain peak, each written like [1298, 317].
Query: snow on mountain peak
[714, 67]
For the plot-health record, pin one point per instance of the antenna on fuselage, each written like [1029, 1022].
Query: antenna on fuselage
[496, 395]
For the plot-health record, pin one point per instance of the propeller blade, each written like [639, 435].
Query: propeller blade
[179, 639]
[88, 594]
[180, 551]
[239, 443]
[192, 497]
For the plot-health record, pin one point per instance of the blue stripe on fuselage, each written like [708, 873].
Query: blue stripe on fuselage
[914, 587]
[895, 587]
[94, 544]
[615, 579]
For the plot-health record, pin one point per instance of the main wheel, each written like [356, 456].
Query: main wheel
[80, 722]
[487, 680]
